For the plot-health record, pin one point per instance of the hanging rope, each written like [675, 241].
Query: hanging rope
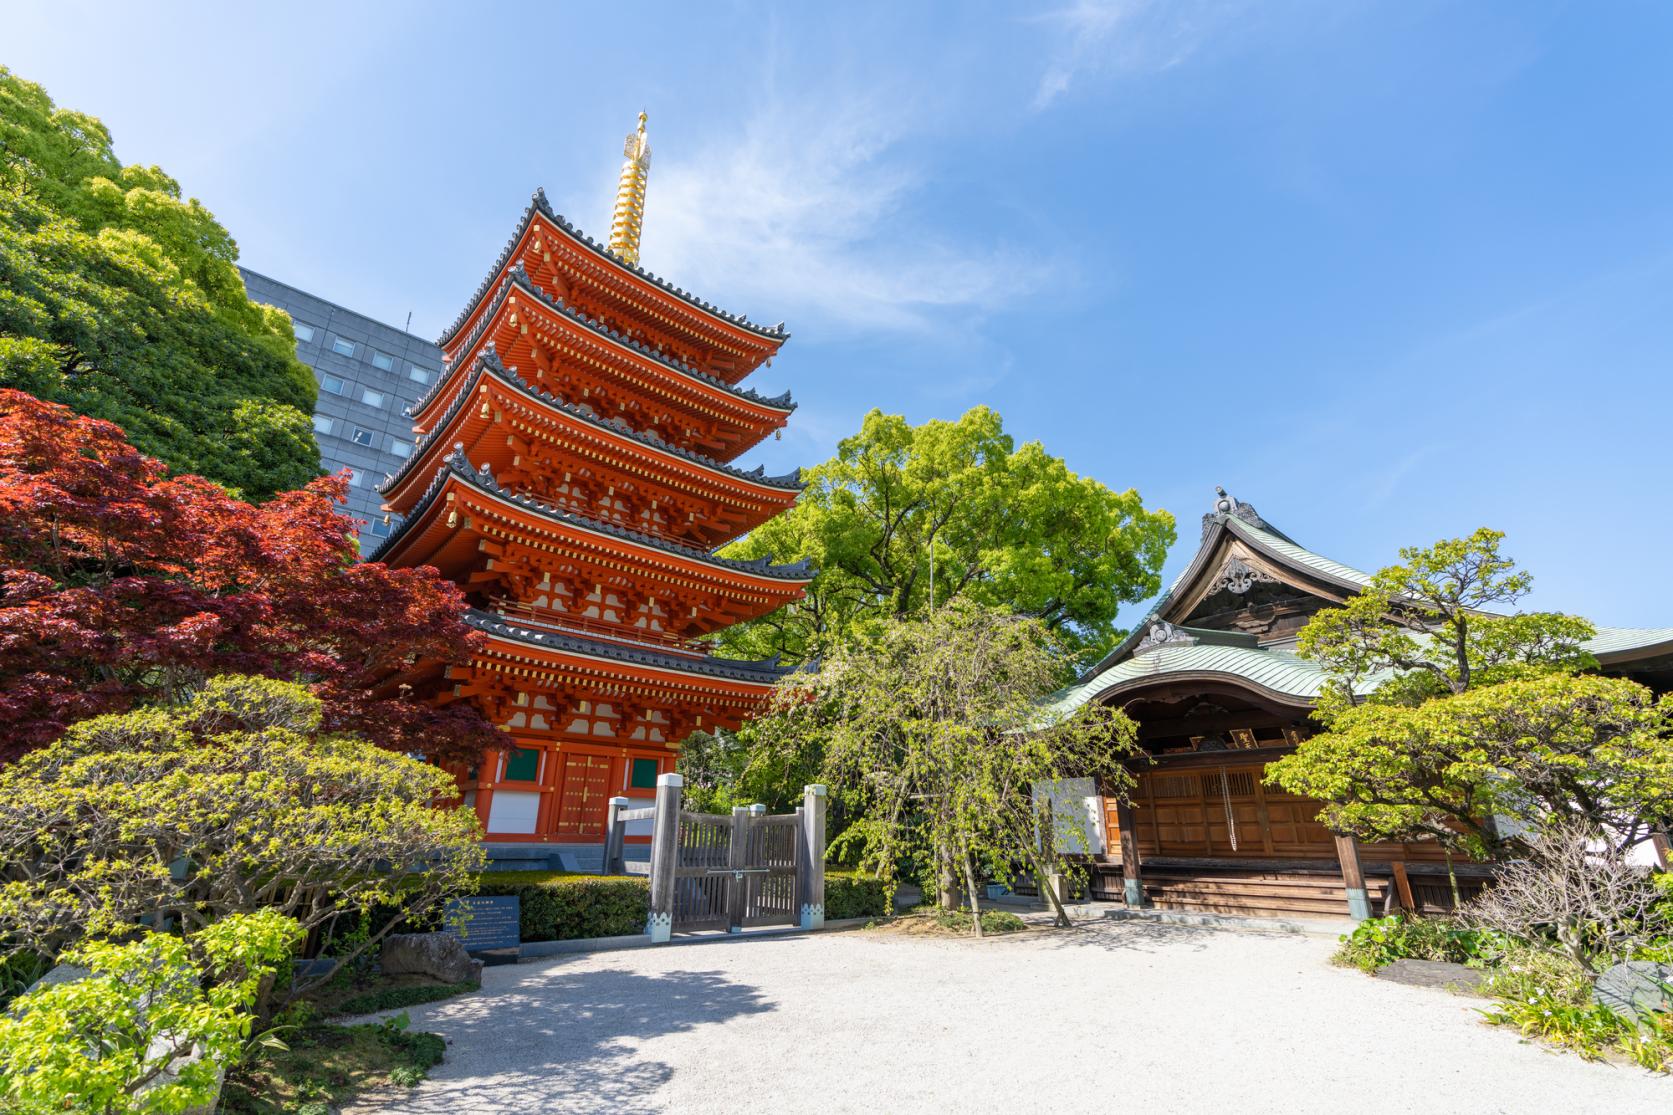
[1231, 821]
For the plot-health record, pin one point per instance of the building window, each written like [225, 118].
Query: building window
[417, 374]
[322, 424]
[371, 398]
[342, 347]
[357, 479]
[522, 764]
[362, 436]
[333, 384]
[400, 448]
[644, 774]
[304, 332]
[382, 361]
[379, 528]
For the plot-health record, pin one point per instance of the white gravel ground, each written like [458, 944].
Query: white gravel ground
[1110, 1016]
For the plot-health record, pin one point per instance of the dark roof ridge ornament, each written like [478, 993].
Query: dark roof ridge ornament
[1229, 506]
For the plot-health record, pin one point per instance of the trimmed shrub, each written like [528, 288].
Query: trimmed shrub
[566, 906]
[560, 906]
[1379, 941]
[854, 896]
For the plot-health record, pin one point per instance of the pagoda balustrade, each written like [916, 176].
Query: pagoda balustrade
[595, 628]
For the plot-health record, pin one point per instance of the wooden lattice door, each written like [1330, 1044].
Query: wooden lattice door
[736, 871]
[584, 796]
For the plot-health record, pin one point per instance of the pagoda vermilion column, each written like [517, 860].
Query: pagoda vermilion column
[573, 476]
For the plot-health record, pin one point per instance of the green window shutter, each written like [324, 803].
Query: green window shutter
[644, 774]
[522, 765]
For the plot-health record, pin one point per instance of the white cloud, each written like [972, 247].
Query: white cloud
[1126, 36]
[816, 212]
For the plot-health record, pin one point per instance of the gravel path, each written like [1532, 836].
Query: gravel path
[1108, 1016]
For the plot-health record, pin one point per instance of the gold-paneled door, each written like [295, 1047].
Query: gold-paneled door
[583, 796]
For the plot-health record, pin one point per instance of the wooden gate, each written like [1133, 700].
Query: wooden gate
[735, 871]
[710, 871]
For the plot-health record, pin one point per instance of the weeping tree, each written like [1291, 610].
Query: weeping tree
[934, 739]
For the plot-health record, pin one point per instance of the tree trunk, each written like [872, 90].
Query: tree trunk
[946, 881]
[975, 903]
[1452, 879]
[1042, 881]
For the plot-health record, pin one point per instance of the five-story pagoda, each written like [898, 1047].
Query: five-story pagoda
[573, 476]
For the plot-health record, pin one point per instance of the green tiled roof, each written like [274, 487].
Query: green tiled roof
[1610, 642]
[1296, 555]
[1280, 673]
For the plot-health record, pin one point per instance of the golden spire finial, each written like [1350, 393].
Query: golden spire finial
[629, 217]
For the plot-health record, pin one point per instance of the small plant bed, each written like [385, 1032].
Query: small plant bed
[1538, 989]
[323, 1065]
[368, 994]
[931, 921]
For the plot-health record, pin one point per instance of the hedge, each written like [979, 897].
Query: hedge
[559, 906]
[854, 896]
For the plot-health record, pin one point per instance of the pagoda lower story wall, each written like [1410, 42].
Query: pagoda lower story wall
[556, 791]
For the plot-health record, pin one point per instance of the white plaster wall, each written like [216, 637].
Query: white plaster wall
[513, 811]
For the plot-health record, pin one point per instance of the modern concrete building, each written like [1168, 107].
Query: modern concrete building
[368, 374]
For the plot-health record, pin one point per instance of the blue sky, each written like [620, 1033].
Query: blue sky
[1387, 271]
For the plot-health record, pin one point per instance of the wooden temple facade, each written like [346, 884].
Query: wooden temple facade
[573, 475]
[1212, 678]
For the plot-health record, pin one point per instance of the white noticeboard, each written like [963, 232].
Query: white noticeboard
[1077, 815]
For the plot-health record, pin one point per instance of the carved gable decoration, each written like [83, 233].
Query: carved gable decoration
[1164, 634]
[1238, 577]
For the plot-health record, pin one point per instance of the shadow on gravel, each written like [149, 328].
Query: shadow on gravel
[1139, 935]
[559, 1042]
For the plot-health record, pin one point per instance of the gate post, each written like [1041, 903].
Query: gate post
[615, 832]
[810, 857]
[665, 856]
[737, 890]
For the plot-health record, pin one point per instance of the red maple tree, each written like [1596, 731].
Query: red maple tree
[121, 585]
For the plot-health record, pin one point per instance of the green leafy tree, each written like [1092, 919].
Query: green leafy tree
[233, 803]
[153, 1026]
[1435, 624]
[1485, 770]
[933, 740]
[120, 299]
[904, 515]
[1451, 719]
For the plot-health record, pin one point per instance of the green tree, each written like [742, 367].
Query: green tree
[1486, 770]
[121, 300]
[933, 740]
[1001, 526]
[1452, 719]
[234, 803]
[1435, 624]
[153, 1026]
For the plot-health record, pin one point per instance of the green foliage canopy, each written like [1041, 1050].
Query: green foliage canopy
[121, 300]
[933, 739]
[1485, 769]
[233, 803]
[1009, 527]
[117, 1041]
[1476, 731]
[1433, 624]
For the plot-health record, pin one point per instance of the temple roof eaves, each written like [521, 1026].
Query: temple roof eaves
[539, 204]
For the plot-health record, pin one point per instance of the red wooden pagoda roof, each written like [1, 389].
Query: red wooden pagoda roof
[707, 323]
[457, 471]
[639, 369]
[643, 454]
